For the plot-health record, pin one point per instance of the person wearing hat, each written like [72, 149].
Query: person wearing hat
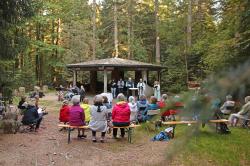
[31, 116]
[77, 115]
[64, 112]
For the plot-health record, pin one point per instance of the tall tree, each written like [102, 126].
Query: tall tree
[157, 37]
[115, 30]
[94, 29]
[189, 38]
[130, 18]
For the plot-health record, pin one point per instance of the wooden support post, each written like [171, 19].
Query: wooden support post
[144, 76]
[93, 81]
[69, 130]
[138, 75]
[74, 78]
[105, 80]
[159, 76]
[115, 74]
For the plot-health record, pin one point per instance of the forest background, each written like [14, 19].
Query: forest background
[191, 38]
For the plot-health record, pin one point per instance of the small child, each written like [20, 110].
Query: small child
[64, 112]
[133, 109]
[86, 107]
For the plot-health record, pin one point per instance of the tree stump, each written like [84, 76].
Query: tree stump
[21, 91]
[45, 88]
[9, 123]
[37, 88]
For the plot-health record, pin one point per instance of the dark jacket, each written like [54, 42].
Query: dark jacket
[30, 115]
[20, 105]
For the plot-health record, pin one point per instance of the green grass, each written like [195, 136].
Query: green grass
[209, 148]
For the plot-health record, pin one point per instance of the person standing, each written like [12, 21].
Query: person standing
[141, 87]
[157, 90]
[113, 88]
[82, 93]
[129, 84]
[120, 85]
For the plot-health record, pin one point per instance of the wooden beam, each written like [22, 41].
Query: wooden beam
[105, 81]
[74, 78]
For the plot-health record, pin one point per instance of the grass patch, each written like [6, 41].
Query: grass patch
[210, 148]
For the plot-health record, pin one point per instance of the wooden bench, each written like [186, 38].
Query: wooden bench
[174, 123]
[127, 128]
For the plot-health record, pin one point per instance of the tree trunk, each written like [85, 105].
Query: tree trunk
[115, 29]
[94, 30]
[157, 37]
[129, 27]
[189, 37]
[37, 56]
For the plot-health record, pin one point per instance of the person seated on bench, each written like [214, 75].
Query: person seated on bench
[21, 104]
[99, 116]
[120, 115]
[31, 116]
[133, 109]
[228, 107]
[77, 116]
[152, 106]
[86, 107]
[64, 112]
[141, 106]
[106, 102]
[243, 114]
[162, 104]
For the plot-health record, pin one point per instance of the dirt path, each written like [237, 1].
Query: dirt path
[49, 146]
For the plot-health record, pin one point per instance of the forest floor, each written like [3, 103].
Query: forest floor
[49, 146]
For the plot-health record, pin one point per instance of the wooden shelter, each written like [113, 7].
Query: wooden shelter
[117, 66]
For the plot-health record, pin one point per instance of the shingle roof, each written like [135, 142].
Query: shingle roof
[114, 62]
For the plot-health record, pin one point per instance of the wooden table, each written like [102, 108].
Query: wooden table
[133, 91]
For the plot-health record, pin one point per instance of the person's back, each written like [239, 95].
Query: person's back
[141, 106]
[86, 108]
[133, 109]
[102, 115]
[30, 115]
[152, 106]
[64, 112]
[121, 112]
[76, 116]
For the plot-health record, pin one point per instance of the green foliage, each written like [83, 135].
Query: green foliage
[48, 34]
[210, 148]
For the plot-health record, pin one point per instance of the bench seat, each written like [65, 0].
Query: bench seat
[128, 128]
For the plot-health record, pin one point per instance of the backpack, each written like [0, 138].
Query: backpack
[140, 114]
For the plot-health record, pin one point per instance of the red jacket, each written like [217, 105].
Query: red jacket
[121, 112]
[162, 104]
[64, 113]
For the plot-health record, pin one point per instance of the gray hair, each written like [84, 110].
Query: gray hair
[121, 97]
[131, 99]
[98, 99]
[247, 99]
[229, 97]
[164, 97]
[75, 99]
